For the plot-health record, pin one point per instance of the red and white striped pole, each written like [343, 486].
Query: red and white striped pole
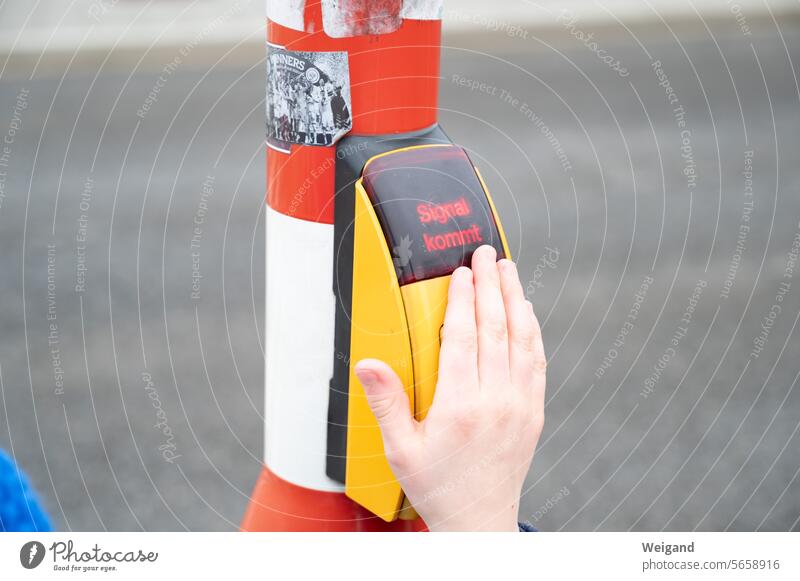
[391, 49]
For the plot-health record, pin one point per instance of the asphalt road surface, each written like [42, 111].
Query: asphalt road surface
[651, 196]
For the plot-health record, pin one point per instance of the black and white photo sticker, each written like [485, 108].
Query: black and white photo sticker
[308, 98]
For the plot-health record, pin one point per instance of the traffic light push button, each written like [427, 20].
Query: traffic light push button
[420, 213]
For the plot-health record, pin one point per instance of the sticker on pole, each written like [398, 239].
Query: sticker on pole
[308, 98]
[346, 18]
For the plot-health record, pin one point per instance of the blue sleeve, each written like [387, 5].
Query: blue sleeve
[525, 527]
[20, 508]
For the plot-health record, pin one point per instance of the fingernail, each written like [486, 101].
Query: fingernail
[507, 265]
[461, 272]
[489, 250]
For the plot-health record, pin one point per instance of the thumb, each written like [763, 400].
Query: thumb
[388, 401]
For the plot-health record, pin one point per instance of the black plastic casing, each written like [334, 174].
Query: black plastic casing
[352, 154]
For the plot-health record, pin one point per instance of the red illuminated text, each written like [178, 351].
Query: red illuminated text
[437, 242]
[443, 212]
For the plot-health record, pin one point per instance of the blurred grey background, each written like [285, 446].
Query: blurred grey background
[644, 157]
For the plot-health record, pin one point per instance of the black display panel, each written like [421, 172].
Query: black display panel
[432, 208]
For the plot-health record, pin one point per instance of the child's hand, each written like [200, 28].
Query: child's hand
[463, 467]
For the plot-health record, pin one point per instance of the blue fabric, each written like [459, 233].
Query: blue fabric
[20, 509]
[525, 527]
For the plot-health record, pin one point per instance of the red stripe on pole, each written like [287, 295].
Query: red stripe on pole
[277, 505]
[301, 184]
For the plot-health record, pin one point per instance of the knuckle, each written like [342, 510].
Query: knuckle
[464, 339]
[496, 329]
[540, 365]
[500, 407]
[399, 457]
[467, 418]
[525, 339]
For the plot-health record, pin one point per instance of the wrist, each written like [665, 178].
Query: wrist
[505, 522]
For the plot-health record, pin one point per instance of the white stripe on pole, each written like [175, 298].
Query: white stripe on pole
[299, 349]
[288, 13]
[422, 9]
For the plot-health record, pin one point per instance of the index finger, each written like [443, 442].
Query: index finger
[490, 314]
[458, 357]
